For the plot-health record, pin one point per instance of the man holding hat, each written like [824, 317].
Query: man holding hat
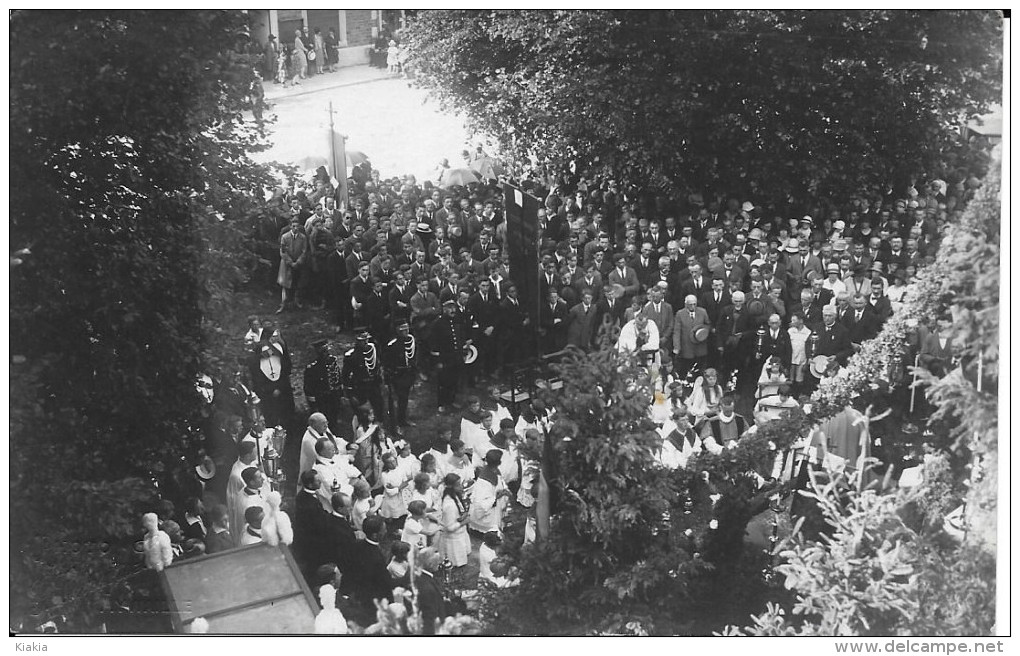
[362, 372]
[401, 370]
[447, 349]
[624, 276]
[691, 329]
[833, 343]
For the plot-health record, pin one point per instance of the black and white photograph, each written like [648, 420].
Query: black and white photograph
[567, 323]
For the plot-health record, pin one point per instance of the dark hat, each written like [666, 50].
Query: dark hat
[360, 329]
[449, 301]
[403, 324]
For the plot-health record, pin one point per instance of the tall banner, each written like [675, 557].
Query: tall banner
[338, 165]
[521, 212]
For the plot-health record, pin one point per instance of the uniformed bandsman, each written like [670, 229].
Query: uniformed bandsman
[401, 372]
[362, 373]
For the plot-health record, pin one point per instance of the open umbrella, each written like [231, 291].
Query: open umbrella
[487, 168]
[355, 157]
[459, 178]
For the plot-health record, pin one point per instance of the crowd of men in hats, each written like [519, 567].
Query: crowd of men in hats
[733, 302]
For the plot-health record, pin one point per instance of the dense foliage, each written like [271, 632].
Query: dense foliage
[132, 192]
[890, 569]
[776, 105]
[632, 541]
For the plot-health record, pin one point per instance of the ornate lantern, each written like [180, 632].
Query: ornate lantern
[271, 463]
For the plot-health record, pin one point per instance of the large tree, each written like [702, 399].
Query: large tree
[131, 191]
[770, 104]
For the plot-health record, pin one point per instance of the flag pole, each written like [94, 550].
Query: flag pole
[339, 160]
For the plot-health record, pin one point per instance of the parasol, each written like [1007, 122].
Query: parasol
[355, 157]
[459, 178]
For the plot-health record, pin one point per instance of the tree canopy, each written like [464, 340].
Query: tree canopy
[776, 105]
[131, 191]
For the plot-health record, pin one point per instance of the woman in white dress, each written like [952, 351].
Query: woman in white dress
[392, 507]
[408, 463]
[704, 399]
[772, 377]
[422, 490]
[454, 541]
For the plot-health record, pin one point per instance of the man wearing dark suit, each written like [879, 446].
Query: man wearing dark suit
[776, 342]
[665, 274]
[697, 284]
[860, 322]
[610, 311]
[484, 306]
[733, 329]
[515, 328]
[624, 276]
[715, 300]
[548, 280]
[833, 339]
[375, 312]
[661, 314]
[733, 269]
[798, 265]
[592, 280]
[430, 595]
[583, 322]
[340, 539]
[400, 298]
[809, 307]
[309, 515]
[218, 538]
[338, 280]
[646, 264]
[881, 307]
[361, 282]
[368, 578]
[823, 296]
[553, 322]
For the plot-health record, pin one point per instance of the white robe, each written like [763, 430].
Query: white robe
[308, 455]
[473, 435]
[336, 470]
[240, 503]
[487, 508]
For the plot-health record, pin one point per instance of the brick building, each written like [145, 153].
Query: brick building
[357, 29]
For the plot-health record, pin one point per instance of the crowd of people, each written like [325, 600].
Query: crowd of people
[733, 306]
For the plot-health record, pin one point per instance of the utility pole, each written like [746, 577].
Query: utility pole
[338, 154]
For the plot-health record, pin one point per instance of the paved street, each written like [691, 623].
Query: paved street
[380, 114]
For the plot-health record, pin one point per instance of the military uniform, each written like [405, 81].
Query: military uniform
[401, 371]
[362, 377]
[447, 346]
[323, 386]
